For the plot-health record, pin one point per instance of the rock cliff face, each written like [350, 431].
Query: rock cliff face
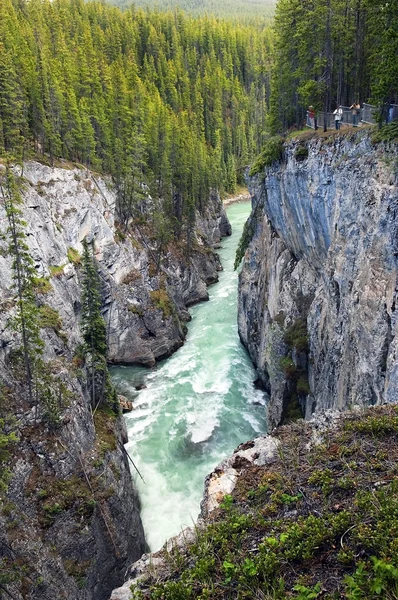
[69, 523]
[318, 288]
[145, 302]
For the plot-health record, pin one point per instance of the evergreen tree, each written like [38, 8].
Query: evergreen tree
[38, 379]
[94, 331]
[26, 318]
[153, 99]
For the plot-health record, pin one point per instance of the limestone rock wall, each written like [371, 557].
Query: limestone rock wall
[70, 523]
[325, 251]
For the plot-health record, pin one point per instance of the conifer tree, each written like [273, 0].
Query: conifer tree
[93, 329]
[39, 380]
[26, 318]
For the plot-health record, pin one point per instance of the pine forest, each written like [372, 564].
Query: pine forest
[160, 101]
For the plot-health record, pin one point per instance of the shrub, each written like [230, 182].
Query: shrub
[42, 285]
[56, 271]
[296, 336]
[74, 257]
[301, 153]
[388, 133]
[49, 318]
[303, 387]
[161, 300]
[288, 367]
[271, 152]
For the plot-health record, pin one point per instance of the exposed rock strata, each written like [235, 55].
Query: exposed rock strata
[71, 515]
[61, 208]
[325, 250]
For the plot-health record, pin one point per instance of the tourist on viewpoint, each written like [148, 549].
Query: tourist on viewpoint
[355, 111]
[338, 115]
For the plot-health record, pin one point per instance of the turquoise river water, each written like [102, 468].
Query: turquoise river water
[198, 405]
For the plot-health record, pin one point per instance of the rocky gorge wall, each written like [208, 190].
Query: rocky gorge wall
[69, 522]
[318, 288]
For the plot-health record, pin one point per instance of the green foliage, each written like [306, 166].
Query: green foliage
[272, 151]
[41, 285]
[303, 386]
[296, 336]
[161, 300]
[74, 257]
[288, 367]
[306, 593]
[373, 580]
[93, 330]
[301, 152]
[104, 420]
[170, 106]
[347, 56]
[388, 133]
[247, 235]
[49, 318]
[8, 439]
[56, 270]
[376, 426]
[255, 11]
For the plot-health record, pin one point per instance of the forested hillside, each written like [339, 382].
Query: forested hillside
[161, 101]
[249, 10]
[331, 52]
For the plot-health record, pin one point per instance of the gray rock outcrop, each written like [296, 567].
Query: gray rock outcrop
[324, 253]
[70, 523]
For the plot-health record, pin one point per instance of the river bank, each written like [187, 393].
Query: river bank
[242, 195]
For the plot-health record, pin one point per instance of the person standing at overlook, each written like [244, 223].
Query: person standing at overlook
[338, 114]
[355, 111]
[312, 116]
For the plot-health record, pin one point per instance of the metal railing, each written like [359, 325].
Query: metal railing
[367, 114]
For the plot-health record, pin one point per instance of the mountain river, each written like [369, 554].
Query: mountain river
[197, 406]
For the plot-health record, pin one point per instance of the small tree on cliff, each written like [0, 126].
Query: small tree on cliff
[26, 318]
[40, 383]
[94, 331]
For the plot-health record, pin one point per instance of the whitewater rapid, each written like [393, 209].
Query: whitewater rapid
[197, 406]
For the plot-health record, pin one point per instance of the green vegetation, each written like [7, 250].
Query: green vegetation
[104, 420]
[296, 340]
[169, 105]
[301, 152]
[8, 438]
[296, 336]
[93, 330]
[49, 318]
[74, 257]
[316, 523]
[388, 133]
[271, 152]
[245, 10]
[331, 52]
[41, 285]
[161, 300]
[56, 270]
[247, 234]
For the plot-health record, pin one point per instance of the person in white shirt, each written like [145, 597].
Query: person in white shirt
[338, 114]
